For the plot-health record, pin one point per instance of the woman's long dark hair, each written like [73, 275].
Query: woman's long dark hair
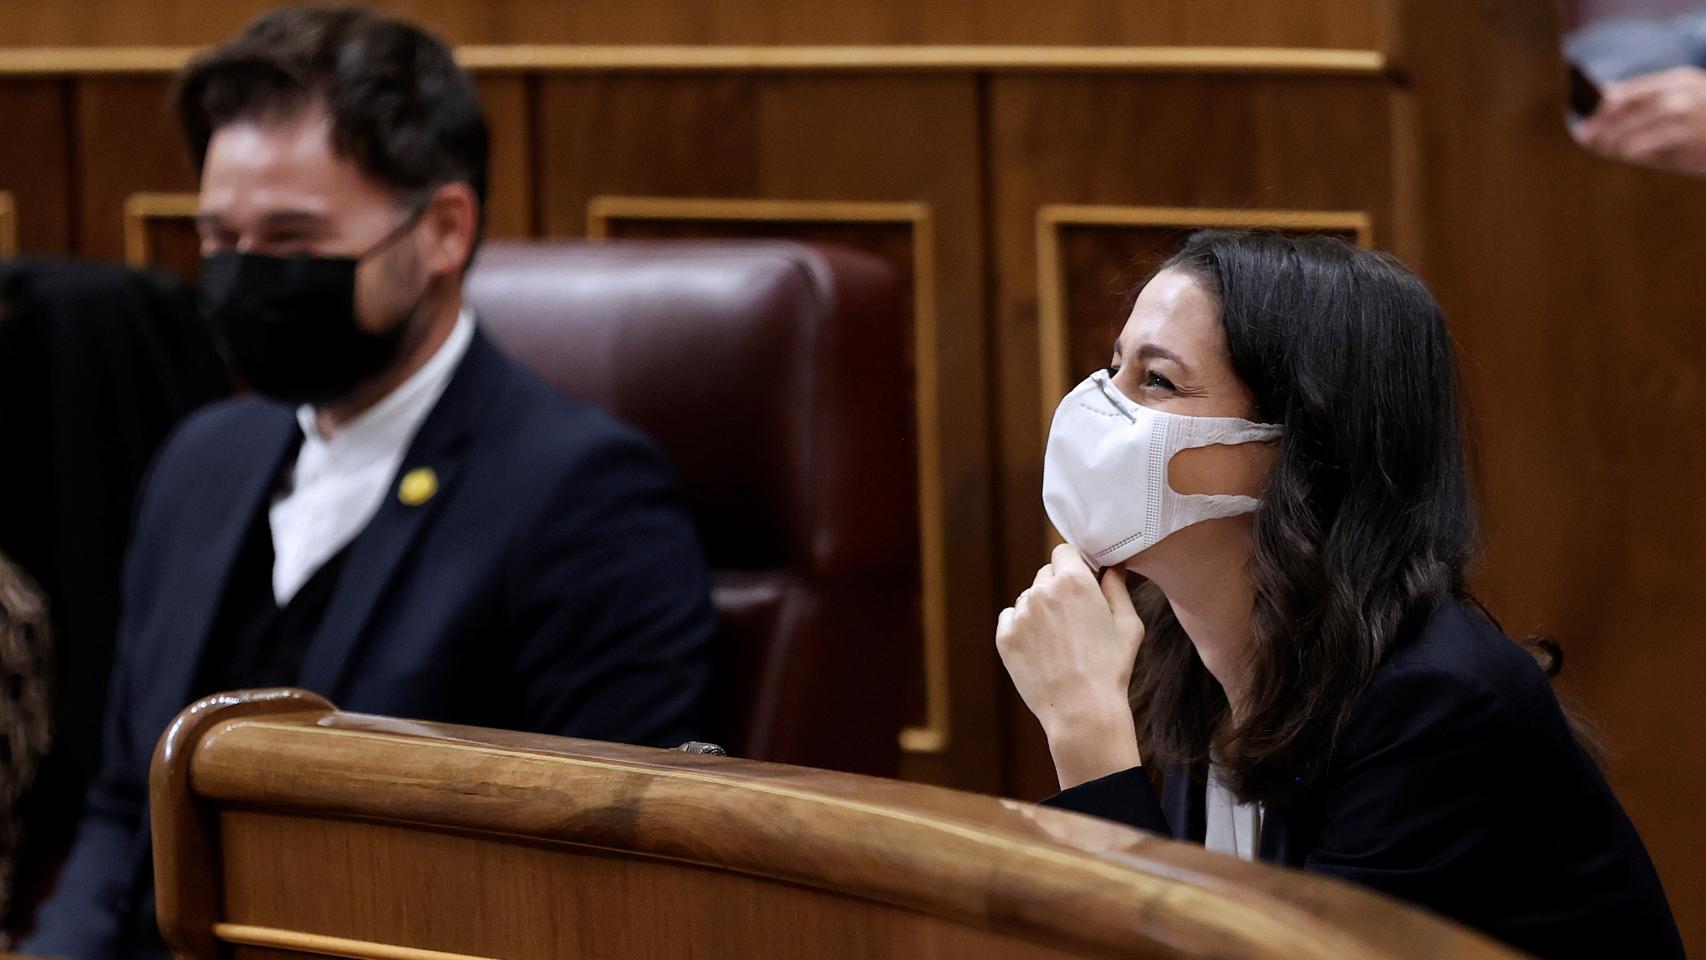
[1366, 522]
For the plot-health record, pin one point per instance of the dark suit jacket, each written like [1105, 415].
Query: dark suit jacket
[1456, 785]
[553, 584]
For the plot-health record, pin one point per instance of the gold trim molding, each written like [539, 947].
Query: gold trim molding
[568, 58]
[8, 224]
[314, 944]
[602, 211]
[139, 209]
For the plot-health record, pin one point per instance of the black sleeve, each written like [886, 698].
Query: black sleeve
[91, 898]
[1125, 797]
[93, 902]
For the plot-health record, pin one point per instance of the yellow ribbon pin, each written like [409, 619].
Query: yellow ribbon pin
[417, 486]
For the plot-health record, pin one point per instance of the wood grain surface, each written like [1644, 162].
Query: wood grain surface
[283, 824]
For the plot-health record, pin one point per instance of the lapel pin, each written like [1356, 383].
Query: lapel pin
[417, 486]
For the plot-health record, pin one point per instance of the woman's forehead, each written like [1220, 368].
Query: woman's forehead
[1176, 312]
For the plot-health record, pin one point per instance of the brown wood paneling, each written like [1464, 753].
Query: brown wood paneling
[8, 225]
[35, 161]
[1574, 287]
[389, 885]
[160, 233]
[130, 148]
[788, 137]
[509, 192]
[175, 246]
[1320, 23]
[127, 142]
[1268, 142]
[692, 136]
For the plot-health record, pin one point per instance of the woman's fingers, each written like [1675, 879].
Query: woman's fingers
[1045, 573]
[1069, 641]
[1068, 562]
[1004, 632]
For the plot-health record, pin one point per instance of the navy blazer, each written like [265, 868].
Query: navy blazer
[1457, 785]
[552, 584]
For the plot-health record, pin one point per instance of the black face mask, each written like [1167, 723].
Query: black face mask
[287, 325]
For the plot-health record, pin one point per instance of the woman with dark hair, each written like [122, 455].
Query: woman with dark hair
[1276, 452]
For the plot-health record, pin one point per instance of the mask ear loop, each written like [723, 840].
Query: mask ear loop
[409, 223]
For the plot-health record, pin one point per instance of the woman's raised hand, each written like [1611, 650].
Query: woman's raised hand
[1070, 643]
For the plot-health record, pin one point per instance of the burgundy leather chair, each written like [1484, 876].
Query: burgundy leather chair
[775, 376]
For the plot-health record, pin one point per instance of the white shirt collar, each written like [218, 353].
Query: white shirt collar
[337, 484]
[391, 423]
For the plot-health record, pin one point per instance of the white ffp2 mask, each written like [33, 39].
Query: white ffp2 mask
[1105, 471]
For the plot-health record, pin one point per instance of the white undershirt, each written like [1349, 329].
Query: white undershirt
[1233, 827]
[338, 483]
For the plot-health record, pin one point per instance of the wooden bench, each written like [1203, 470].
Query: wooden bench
[283, 827]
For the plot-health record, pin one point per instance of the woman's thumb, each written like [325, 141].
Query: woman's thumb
[1114, 590]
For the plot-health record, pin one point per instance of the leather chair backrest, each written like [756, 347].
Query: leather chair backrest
[777, 378]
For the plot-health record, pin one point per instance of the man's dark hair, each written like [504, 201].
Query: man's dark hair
[401, 108]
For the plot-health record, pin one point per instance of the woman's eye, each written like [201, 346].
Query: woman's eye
[1153, 379]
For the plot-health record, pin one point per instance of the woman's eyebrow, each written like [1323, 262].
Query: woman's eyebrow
[1150, 351]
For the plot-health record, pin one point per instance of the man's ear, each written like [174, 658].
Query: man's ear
[452, 220]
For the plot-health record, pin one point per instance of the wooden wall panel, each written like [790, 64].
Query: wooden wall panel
[35, 161]
[160, 233]
[8, 225]
[391, 886]
[126, 143]
[509, 193]
[1320, 23]
[787, 138]
[1574, 287]
[1267, 142]
[694, 136]
[136, 189]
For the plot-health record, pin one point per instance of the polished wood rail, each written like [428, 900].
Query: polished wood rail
[283, 825]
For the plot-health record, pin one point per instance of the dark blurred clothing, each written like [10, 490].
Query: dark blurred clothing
[97, 363]
[25, 722]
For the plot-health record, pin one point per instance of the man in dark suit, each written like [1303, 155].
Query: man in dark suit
[399, 518]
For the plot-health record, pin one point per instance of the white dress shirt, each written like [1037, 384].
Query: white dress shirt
[1234, 828]
[338, 483]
